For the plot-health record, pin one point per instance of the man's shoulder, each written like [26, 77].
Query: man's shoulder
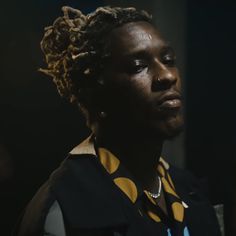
[193, 191]
[33, 218]
[188, 183]
[31, 222]
[185, 179]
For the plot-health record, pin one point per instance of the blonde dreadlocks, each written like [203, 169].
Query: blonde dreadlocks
[75, 46]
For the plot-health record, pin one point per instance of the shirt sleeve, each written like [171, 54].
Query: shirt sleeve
[54, 223]
[219, 209]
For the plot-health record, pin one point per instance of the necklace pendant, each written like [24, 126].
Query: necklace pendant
[156, 195]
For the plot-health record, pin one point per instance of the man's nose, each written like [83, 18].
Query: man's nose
[163, 77]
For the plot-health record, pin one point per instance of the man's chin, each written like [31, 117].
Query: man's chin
[169, 128]
[172, 133]
[172, 127]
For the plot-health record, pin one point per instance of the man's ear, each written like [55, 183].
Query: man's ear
[91, 104]
[92, 98]
[86, 98]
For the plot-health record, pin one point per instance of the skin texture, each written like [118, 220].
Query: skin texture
[139, 57]
[142, 99]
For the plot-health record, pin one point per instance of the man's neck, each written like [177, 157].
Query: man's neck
[138, 153]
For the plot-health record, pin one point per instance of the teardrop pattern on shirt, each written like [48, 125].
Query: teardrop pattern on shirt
[168, 188]
[109, 161]
[128, 187]
[170, 181]
[161, 170]
[154, 216]
[178, 211]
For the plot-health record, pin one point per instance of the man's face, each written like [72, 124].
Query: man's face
[142, 81]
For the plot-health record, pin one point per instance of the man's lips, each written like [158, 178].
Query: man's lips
[170, 100]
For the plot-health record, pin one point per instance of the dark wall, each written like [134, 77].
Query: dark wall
[210, 87]
[37, 127]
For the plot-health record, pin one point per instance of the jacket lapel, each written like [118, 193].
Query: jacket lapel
[86, 194]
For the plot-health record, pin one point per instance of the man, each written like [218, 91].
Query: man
[116, 66]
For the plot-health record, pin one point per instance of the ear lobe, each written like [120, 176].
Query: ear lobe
[92, 99]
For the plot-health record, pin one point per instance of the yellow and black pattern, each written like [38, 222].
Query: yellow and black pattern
[121, 177]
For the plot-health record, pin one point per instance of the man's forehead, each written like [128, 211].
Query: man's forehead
[135, 36]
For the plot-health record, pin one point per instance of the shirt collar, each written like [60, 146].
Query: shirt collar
[86, 147]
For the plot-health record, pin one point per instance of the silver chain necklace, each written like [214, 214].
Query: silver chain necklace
[158, 194]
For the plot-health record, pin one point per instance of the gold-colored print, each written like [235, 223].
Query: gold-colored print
[128, 187]
[178, 211]
[168, 188]
[161, 170]
[108, 160]
[154, 216]
[170, 181]
[150, 198]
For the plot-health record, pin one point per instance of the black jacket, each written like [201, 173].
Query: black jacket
[93, 205]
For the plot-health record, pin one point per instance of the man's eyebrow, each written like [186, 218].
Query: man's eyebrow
[168, 47]
[146, 54]
[137, 54]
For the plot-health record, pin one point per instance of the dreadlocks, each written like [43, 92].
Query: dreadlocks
[75, 45]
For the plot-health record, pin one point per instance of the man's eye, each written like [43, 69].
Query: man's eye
[137, 67]
[169, 60]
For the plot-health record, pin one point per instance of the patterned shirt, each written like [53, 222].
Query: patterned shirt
[141, 200]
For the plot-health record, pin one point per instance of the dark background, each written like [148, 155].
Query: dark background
[211, 96]
[37, 128]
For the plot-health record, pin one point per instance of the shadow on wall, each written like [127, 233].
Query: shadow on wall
[6, 165]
